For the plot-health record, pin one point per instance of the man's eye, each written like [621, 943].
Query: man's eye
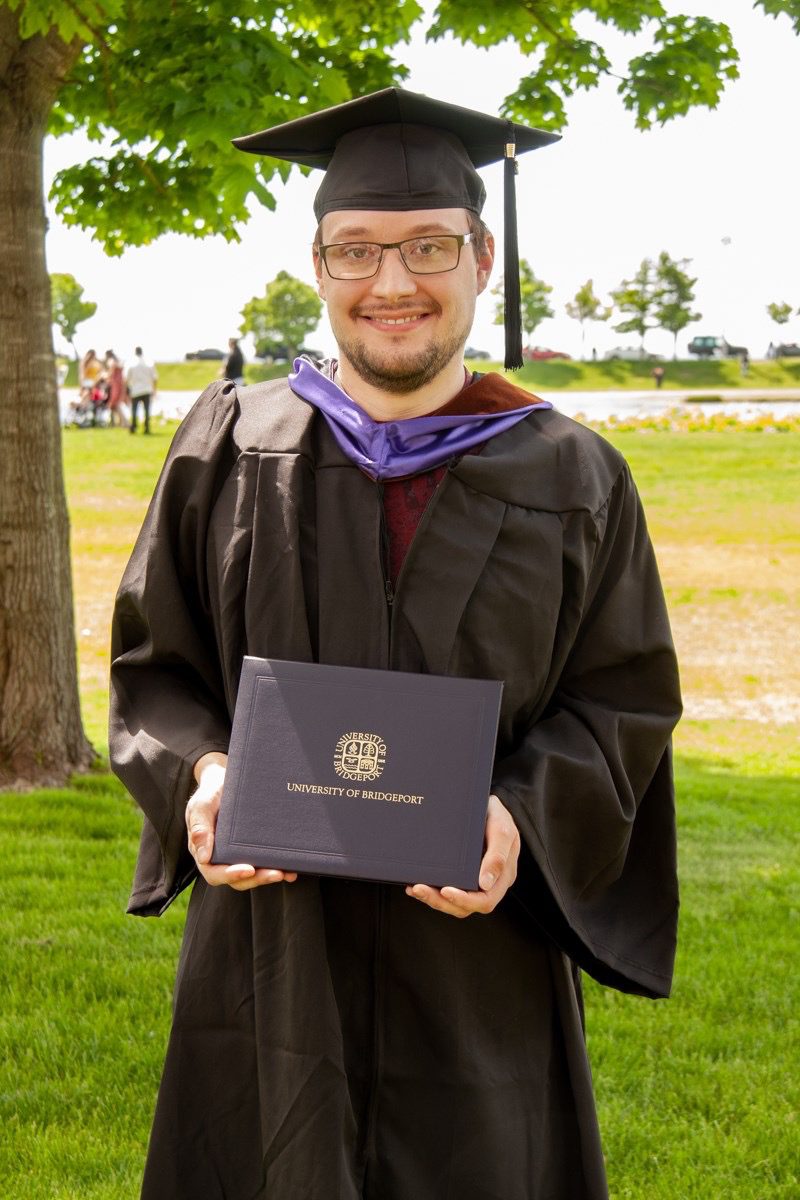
[357, 252]
[426, 249]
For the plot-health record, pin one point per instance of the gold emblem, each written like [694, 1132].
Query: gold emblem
[360, 756]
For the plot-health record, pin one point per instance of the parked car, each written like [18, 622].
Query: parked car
[279, 354]
[208, 353]
[471, 352]
[787, 350]
[542, 354]
[716, 347]
[630, 354]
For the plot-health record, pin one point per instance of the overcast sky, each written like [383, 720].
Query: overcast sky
[718, 187]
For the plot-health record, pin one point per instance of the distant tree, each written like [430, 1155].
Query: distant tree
[533, 293]
[674, 296]
[638, 297]
[780, 312]
[585, 306]
[285, 315]
[69, 308]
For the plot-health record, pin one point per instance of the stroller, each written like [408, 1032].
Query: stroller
[91, 407]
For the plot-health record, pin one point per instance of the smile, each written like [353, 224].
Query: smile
[394, 322]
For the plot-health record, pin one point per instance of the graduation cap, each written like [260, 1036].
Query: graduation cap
[398, 151]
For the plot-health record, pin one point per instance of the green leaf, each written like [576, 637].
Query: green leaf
[777, 8]
[173, 104]
[695, 59]
[69, 309]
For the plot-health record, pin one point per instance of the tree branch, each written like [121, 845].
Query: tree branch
[149, 173]
[557, 37]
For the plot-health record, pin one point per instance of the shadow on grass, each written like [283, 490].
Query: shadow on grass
[549, 374]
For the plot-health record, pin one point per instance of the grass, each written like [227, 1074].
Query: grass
[546, 376]
[623, 376]
[697, 1097]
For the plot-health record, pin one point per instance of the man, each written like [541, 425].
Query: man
[141, 380]
[233, 367]
[343, 1040]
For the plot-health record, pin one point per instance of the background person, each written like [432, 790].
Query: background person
[141, 381]
[91, 369]
[233, 366]
[116, 389]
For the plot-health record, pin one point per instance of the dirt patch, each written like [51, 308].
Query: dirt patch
[735, 616]
[734, 611]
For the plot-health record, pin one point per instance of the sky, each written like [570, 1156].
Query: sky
[718, 187]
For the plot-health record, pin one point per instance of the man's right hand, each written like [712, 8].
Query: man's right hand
[201, 822]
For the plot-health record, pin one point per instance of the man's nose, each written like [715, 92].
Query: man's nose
[393, 277]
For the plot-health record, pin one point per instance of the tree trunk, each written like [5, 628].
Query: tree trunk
[41, 735]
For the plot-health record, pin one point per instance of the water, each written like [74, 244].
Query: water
[598, 406]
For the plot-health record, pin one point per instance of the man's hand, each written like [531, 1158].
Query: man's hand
[201, 822]
[498, 870]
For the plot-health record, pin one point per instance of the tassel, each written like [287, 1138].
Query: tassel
[513, 318]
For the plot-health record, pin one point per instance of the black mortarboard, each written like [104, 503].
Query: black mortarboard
[397, 151]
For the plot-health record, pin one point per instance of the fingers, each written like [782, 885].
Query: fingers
[455, 902]
[498, 870]
[243, 877]
[201, 823]
[502, 846]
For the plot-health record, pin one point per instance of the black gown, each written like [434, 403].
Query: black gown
[335, 1040]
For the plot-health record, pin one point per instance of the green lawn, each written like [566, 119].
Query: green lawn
[697, 1096]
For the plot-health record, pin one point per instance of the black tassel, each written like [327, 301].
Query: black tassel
[513, 318]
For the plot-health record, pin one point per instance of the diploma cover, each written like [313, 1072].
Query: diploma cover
[380, 775]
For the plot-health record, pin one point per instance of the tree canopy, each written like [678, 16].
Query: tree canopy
[674, 296]
[779, 312]
[69, 308]
[172, 103]
[283, 317]
[636, 299]
[533, 299]
[586, 306]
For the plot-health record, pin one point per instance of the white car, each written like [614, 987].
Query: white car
[629, 354]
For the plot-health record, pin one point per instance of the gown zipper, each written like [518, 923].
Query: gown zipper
[388, 587]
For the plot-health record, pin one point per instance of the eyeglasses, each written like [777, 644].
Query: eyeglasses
[420, 255]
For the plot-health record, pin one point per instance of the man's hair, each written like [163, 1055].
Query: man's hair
[477, 227]
[137, 350]
[480, 232]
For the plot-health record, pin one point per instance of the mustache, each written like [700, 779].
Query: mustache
[396, 310]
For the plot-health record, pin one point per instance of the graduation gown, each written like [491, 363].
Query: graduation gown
[337, 1040]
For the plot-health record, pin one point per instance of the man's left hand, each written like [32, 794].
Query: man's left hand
[498, 870]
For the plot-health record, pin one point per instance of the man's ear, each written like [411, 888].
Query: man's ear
[485, 263]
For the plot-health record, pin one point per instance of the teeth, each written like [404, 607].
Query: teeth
[395, 320]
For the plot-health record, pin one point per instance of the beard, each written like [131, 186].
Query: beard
[406, 371]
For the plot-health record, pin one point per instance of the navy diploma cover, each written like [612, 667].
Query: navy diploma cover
[380, 775]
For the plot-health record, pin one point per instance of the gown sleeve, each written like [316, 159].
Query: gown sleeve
[590, 782]
[167, 703]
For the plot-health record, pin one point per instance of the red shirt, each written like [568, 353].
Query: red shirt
[405, 500]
